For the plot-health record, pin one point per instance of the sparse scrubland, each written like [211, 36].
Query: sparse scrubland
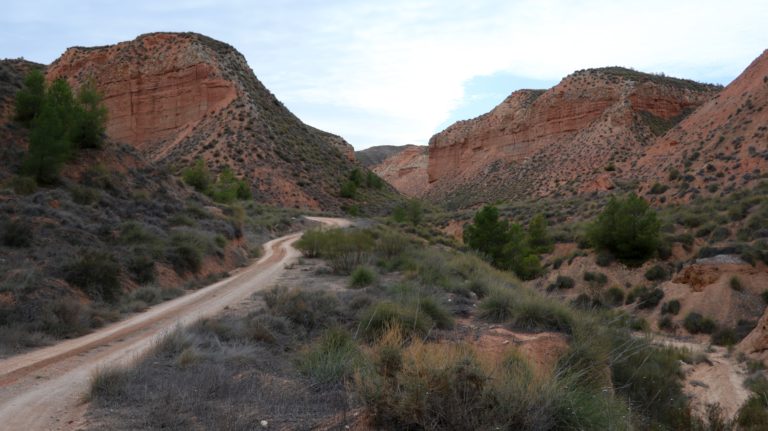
[396, 346]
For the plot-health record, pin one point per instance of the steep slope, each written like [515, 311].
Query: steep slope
[572, 138]
[721, 147]
[372, 156]
[177, 97]
[405, 169]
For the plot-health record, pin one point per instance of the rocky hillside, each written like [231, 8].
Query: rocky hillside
[721, 147]
[405, 167]
[177, 97]
[372, 156]
[572, 138]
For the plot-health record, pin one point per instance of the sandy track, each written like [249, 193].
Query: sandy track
[44, 389]
[720, 380]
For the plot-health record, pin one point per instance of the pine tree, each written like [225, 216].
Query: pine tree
[90, 118]
[29, 100]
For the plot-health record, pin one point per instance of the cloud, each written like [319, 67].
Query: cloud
[391, 72]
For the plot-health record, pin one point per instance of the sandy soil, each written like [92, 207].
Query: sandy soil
[45, 389]
[720, 379]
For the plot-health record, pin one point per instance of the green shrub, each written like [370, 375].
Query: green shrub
[332, 360]
[83, 195]
[650, 298]
[724, 337]
[597, 278]
[658, 189]
[348, 190]
[505, 244]
[735, 284]
[650, 377]
[310, 309]
[17, 233]
[411, 211]
[186, 250]
[378, 318]
[538, 237]
[720, 233]
[604, 258]
[614, 296]
[142, 268]
[695, 323]
[362, 276]
[439, 315]
[149, 295]
[666, 323]
[562, 282]
[671, 307]
[390, 244]
[198, 176]
[628, 228]
[97, 274]
[30, 99]
[344, 249]
[23, 185]
[656, 273]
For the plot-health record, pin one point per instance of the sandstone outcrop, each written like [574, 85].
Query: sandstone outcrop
[405, 170]
[572, 138]
[177, 97]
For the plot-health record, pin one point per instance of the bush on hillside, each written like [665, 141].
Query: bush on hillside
[97, 274]
[695, 323]
[628, 228]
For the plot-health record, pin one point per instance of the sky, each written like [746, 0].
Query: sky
[394, 72]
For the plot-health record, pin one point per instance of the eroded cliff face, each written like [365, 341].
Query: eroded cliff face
[177, 97]
[406, 170]
[561, 140]
[722, 146]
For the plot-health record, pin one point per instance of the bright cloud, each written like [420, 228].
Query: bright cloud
[393, 72]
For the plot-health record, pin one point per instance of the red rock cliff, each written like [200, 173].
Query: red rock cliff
[181, 96]
[405, 170]
[537, 142]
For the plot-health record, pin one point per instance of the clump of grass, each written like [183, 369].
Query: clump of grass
[439, 315]
[310, 309]
[454, 386]
[108, 382]
[332, 359]
[498, 306]
[362, 276]
[376, 319]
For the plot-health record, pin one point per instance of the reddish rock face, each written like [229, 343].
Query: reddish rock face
[406, 170]
[150, 101]
[536, 142]
[177, 97]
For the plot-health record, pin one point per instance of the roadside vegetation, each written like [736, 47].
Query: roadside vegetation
[81, 247]
[395, 342]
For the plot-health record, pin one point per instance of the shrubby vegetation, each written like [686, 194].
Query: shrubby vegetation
[508, 246]
[60, 123]
[628, 228]
[223, 188]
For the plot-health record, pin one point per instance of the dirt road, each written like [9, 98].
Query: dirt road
[44, 389]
